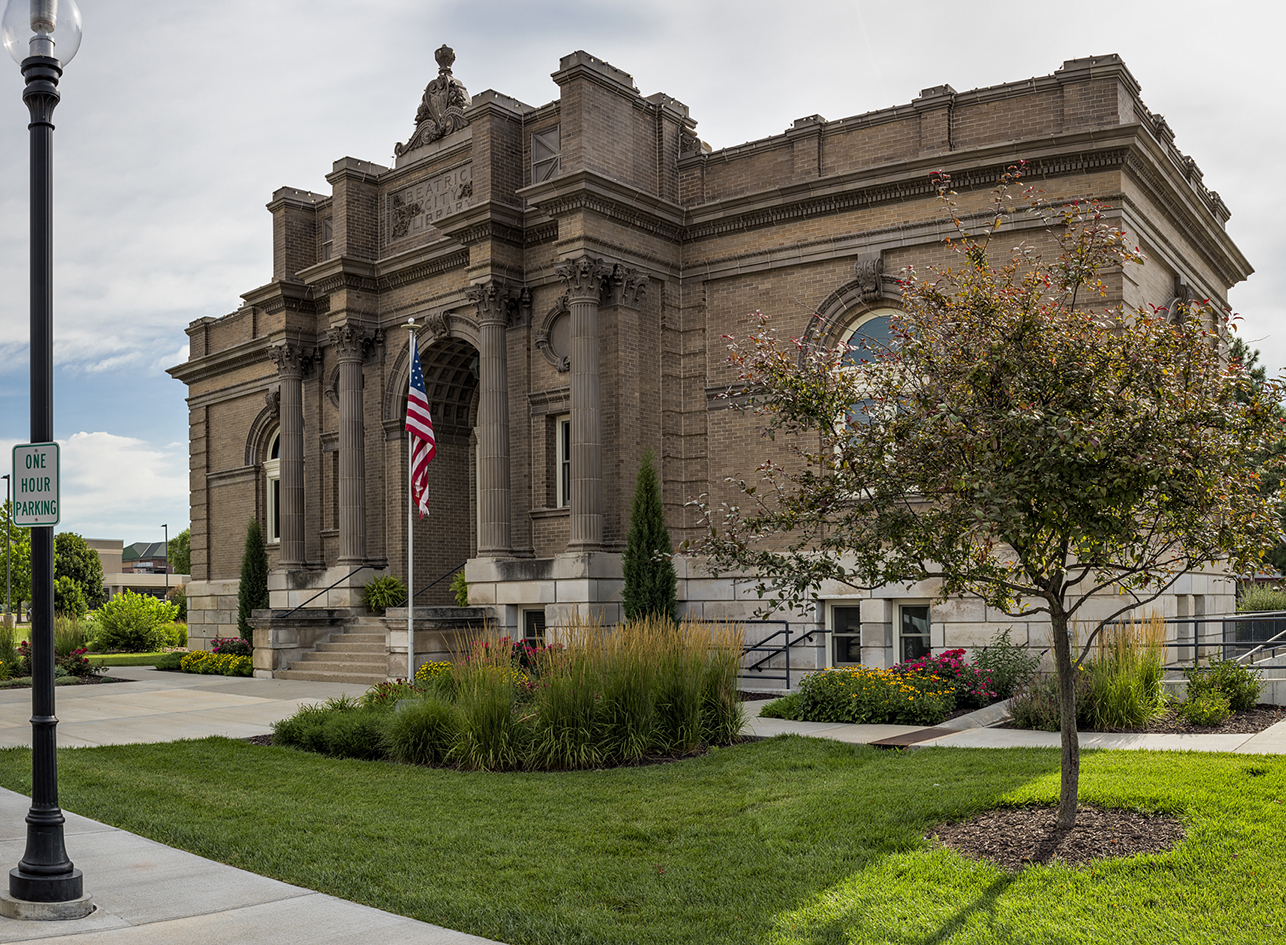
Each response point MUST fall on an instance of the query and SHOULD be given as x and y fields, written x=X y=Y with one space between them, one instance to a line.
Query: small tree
x=76 y=561
x=179 y=552
x=19 y=555
x=252 y=592
x=1013 y=444
x=650 y=582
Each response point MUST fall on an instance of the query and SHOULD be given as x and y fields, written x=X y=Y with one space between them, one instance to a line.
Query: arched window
x=866 y=336
x=272 y=483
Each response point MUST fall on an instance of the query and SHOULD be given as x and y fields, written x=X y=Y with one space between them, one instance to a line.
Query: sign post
x=35 y=485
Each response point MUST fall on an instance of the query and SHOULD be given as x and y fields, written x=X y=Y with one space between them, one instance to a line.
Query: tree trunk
x=1071 y=774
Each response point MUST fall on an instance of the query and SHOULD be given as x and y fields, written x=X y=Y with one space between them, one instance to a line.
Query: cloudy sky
x=179 y=120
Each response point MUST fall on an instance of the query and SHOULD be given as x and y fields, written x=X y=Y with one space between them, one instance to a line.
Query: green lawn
x=124 y=659
x=783 y=841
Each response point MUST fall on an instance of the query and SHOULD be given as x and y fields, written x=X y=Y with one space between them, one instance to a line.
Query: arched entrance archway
x=448 y=535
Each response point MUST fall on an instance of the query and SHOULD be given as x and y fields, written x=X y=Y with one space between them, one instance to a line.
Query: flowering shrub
x=874 y=696
x=973 y=686
x=216 y=664
x=431 y=671
x=390 y=693
x=231 y=646
x=73 y=664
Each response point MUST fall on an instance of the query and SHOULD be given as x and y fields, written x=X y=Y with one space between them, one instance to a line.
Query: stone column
x=494 y=301
x=585 y=277
x=292 y=361
x=350 y=343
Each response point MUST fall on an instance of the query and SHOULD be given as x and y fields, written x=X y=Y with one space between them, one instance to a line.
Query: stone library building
x=572 y=269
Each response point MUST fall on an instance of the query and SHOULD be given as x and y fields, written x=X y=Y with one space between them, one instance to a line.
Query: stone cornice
x=254 y=351
x=484 y=220
x=589 y=191
x=449 y=256
x=340 y=272
x=287 y=295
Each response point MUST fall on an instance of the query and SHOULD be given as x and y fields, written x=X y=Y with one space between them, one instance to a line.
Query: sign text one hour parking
x=35 y=485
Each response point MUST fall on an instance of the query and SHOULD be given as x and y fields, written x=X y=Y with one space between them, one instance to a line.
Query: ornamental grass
x=594 y=697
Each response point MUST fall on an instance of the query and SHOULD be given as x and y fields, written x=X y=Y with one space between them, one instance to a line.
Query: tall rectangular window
x=563 y=459
x=846 y=636
x=913 y=631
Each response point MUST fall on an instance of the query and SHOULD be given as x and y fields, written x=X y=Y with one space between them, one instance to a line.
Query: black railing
x=373 y=567
x=1241 y=637
x=778 y=643
x=438 y=580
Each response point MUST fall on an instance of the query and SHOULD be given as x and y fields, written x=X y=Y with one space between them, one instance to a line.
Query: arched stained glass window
x=867 y=336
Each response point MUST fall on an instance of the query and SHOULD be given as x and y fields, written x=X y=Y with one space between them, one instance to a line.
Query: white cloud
x=120 y=487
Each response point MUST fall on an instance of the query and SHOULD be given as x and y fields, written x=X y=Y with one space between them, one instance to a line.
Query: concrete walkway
x=973 y=732
x=149 y=894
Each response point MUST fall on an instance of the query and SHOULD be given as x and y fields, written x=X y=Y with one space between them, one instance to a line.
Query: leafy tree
x=19 y=556
x=252 y=592
x=650 y=582
x=179 y=552
x=69 y=599
x=1014 y=444
x=76 y=561
x=1272 y=455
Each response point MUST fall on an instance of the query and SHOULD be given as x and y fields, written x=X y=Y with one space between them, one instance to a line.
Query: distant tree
x=75 y=560
x=69 y=599
x=179 y=552
x=1014 y=444
x=650 y=583
x=1270 y=457
x=19 y=556
x=252 y=592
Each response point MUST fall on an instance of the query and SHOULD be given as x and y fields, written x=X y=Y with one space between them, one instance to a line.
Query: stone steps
x=360 y=679
x=357 y=655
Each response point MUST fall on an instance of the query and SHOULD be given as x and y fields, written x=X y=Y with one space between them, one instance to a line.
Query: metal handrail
x=772 y=651
x=373 y=567
x=430 y=584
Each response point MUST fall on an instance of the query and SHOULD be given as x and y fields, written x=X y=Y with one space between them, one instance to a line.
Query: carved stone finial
x=442 y=106
x=584 y=276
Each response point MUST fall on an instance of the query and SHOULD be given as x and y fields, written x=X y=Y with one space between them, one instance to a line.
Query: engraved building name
x=414 y=208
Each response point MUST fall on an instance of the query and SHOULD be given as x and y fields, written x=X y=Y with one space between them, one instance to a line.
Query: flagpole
x=410 y=524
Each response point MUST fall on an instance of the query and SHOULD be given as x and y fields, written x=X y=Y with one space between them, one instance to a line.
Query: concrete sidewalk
x=164 y=707
x=150 y=894
x=967 y=733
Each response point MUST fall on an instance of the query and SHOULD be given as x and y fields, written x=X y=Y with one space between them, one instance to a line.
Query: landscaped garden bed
x=640 y=692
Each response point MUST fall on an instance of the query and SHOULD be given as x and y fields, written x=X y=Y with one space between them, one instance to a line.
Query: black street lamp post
x=43 y=35
x=8 y=535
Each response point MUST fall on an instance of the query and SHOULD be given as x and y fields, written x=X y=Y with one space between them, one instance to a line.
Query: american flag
x=420 y=425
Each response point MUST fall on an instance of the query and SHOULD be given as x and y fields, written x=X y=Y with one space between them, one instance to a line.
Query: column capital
x=292 y=358
x=584 y=276
x=351 y=342
x=496 y=300
x=626 y=286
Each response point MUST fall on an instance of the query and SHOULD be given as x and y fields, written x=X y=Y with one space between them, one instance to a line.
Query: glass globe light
x=41 y=28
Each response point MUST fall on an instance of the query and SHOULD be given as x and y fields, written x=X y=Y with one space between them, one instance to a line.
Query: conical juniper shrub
x=651 y=586
x=252 y=590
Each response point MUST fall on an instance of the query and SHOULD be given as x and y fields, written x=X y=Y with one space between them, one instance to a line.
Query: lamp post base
x=45 y=898
x=37 y=888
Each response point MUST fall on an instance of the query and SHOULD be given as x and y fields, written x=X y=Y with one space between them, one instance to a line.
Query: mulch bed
x=80 y=681
x=1247 y=722
x=1017 y=837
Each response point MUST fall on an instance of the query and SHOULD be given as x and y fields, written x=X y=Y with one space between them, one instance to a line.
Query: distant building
x=144 y=557
x=141 y=580
x=573 y=268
